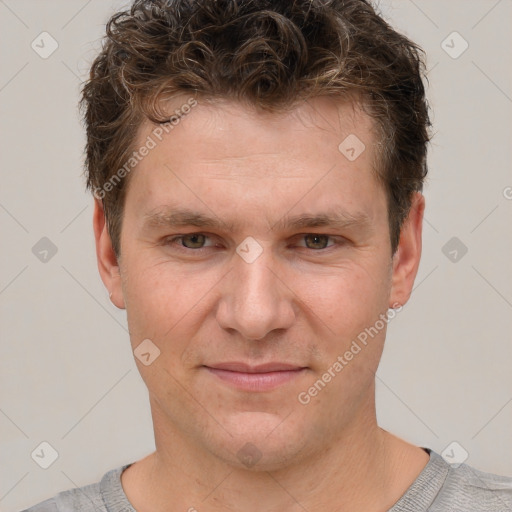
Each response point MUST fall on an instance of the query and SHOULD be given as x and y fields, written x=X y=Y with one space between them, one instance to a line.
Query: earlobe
x=107 y=261
x=406 y=259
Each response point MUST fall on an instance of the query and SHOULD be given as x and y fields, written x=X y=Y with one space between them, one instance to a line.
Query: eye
x=316 y=241
x=190 y=241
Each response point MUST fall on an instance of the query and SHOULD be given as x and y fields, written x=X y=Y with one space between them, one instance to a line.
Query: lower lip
x=256 y=381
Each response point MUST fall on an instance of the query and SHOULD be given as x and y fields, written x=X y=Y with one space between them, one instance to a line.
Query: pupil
x=196 y=241
x=317 y=241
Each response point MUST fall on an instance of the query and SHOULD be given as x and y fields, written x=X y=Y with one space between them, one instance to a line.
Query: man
x=257 y=168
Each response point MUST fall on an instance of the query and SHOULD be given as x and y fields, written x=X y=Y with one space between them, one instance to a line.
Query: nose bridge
x=254 y=301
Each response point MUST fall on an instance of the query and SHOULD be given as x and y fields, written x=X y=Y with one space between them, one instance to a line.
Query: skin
x=302 y=301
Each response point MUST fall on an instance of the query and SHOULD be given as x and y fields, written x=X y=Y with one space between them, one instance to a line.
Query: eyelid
x=302 y=237
x=173 y=239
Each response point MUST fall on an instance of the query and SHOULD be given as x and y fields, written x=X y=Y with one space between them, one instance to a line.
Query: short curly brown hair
x=271 y=54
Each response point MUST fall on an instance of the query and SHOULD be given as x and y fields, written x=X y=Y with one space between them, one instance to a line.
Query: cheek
x=160 y=297
x=165 y=307
x=347 y=299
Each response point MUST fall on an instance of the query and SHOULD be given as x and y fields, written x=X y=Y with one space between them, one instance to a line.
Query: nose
x=255 y=299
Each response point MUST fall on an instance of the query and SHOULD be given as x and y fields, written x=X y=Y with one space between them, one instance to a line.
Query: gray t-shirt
x=440 y=487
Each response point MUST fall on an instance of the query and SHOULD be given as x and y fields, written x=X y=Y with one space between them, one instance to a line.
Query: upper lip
x=261 y=368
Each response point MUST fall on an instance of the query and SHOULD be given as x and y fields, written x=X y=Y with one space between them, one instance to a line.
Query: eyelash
x=337 y=241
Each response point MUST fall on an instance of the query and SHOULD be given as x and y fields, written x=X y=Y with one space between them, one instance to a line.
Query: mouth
x=263 y=377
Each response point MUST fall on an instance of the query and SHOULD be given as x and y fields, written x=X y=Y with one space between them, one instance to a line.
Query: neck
x=363 y=469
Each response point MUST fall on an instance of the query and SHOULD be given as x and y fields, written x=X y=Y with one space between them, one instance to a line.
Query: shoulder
x=78 y=499
x=95 y=496
x=466 y=489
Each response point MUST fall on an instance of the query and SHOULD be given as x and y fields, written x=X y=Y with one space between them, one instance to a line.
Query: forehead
x=318 y=154
x=209 y=121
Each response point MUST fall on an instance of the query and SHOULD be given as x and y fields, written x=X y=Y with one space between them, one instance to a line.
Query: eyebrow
x=184 y=217
x=337 y=220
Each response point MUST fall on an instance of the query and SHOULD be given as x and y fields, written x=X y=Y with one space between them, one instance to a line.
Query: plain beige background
x=67 y=372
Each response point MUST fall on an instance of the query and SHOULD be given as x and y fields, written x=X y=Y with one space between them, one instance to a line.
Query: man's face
x=292 y=265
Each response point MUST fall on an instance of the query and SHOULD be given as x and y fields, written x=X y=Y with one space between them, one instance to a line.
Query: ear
x=107 y=261
x=406 y=259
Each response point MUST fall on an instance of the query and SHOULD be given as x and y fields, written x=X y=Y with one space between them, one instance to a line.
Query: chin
x=259 y=441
